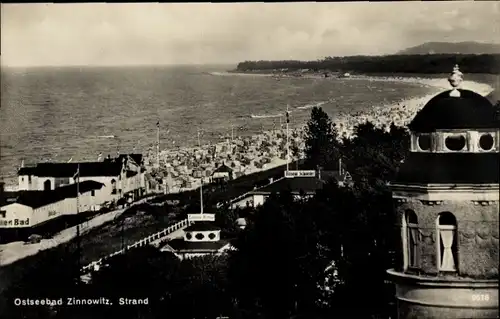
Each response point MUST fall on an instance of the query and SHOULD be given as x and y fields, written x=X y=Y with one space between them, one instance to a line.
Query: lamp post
x=122 y=239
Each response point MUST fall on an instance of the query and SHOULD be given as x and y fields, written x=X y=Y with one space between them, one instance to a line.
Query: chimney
x=340 y=166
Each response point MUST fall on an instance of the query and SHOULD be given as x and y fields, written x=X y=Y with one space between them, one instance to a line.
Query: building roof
x=179 y=245
x=87 y=169
x=294 y=185
x=223 y=169
x=469 y=111
x=336 y=175
x=493 y=97
x=36 y=199
x=137 y=158
x=27 y=170
x=202 y=226
x=241 y=221
x=131 y=174
x=449 y=168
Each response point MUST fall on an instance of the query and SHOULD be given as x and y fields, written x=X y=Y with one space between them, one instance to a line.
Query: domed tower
x=446 y=197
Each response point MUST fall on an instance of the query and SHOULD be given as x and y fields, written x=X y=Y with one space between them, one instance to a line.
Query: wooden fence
x=143 y=242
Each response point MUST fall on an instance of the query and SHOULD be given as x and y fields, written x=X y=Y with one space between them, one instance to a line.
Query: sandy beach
x=185 y=168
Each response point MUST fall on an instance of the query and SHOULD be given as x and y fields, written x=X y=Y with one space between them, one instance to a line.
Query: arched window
x=46 y=185
x=412 y=239
x=447 y=242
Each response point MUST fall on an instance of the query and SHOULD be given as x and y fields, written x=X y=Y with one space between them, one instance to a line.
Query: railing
x=143 y=242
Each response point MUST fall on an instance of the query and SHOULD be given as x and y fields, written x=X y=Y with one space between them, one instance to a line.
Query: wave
x=265 y=116
x=311 y=105
x=106 y=136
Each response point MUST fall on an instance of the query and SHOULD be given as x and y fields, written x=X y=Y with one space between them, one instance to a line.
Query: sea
x=63 y=113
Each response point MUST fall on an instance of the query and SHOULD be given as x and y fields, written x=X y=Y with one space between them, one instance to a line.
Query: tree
x=280 y=258
x=374 y=155
x=430 y=63
x=294 y=148
x=52 y=274
x=321 y=146
x=202 y=289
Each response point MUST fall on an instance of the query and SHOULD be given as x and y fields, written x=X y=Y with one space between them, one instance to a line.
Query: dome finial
x=455 y=80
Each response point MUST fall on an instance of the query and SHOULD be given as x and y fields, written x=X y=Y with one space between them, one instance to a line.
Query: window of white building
x=424 y=142
x=486 y=142
x=447 y=242
x=411 y=239
x=455 y=142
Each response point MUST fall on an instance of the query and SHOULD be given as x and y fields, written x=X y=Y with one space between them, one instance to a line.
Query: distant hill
x=470 y=47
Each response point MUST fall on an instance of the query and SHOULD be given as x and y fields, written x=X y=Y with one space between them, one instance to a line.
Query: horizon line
x=112 y=65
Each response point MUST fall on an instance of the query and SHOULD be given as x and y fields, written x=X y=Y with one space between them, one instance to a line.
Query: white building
x=302 y=184
x=222 y=173
x=33 y=209
x=200 y=239
x=121 y=176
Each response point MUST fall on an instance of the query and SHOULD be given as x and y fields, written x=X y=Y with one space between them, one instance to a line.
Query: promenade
x=14 y=251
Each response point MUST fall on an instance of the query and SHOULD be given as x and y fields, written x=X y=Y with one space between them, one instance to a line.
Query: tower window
x=211 y=236
x=411 y=233
x=189 y=236
x=455 y=142
x=447 y=242
x=486 y=142
x=424 y=142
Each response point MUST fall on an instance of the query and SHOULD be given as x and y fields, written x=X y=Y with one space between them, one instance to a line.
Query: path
x=15 y=251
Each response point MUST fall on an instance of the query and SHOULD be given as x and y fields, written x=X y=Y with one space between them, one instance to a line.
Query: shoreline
x=401 y=112
x=187 y=167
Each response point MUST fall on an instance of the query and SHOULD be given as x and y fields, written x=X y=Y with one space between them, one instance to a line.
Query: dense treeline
x=425 y=64
x=323 y=257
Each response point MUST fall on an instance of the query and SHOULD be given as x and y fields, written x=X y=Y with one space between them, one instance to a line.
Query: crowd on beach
x=186 y=168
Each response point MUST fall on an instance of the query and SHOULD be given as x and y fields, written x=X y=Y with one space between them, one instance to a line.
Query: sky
x=190 y=33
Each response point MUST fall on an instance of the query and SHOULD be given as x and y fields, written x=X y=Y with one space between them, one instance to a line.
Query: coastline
x=399 y=113
x=185 y=168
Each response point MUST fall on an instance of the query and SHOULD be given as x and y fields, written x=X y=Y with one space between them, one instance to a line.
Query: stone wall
x=478 y=235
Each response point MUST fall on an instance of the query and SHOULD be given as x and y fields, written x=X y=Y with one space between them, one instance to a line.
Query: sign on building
x=201 y=217
x=310 y=173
